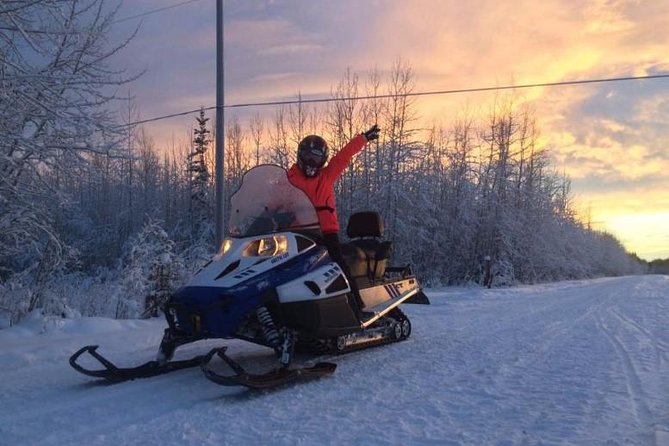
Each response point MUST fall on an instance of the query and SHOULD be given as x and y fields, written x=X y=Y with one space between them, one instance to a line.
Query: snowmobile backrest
x=366 y=254
x=367 y=258
x=374 y=249
x=365 y=224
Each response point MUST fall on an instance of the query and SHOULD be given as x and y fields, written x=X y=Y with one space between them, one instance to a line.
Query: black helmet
x=312 y=153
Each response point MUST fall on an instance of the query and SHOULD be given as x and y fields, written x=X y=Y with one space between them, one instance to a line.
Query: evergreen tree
x=199 y=178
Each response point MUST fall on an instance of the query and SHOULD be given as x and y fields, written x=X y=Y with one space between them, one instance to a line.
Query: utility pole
x=220 y=196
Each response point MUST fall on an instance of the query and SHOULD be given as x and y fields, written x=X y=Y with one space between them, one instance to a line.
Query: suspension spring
x=269 y=330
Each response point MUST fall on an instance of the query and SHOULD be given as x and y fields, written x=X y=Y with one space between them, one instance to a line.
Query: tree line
x=95 y=216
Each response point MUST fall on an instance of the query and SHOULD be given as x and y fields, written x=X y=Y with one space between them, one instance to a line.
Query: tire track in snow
x=548 y=330
x=661 y=346
x=554 y=334
x=633 y=382
x=512 y=344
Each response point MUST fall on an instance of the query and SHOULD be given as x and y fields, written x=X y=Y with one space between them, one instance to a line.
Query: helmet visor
x=313 y=158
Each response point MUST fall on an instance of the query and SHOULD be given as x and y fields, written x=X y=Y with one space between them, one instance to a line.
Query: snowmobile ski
x=112 y=373
x=274 y=378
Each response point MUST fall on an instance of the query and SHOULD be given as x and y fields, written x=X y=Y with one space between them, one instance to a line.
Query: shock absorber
x=269 y=330
x=286 y=350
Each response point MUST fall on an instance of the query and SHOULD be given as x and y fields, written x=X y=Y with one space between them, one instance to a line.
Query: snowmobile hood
x=243 y=259
x=232 y=284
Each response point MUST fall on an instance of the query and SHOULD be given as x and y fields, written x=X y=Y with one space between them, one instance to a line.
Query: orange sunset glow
x=610 y=138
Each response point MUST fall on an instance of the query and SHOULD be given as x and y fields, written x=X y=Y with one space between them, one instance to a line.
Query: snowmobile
x=271 y=283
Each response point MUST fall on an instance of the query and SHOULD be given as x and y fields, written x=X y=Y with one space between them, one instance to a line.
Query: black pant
x=331 y=242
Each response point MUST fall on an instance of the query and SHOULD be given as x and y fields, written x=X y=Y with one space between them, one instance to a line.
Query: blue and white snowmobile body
x=297 y=274
x=273 y=284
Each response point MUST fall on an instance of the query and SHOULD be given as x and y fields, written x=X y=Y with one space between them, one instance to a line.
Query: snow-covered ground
x=573 y=363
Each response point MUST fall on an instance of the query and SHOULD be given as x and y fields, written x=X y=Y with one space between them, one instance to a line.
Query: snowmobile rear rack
x=274 y=378
x=112 y=373
x=387 y=307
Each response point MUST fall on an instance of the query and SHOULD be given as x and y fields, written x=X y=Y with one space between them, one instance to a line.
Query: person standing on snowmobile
x=316 y=180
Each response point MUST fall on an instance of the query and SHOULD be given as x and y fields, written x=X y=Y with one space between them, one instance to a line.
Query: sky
x=609 y=138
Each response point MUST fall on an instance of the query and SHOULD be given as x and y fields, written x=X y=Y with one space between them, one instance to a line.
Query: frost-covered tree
x=279 y=151
x=151 y=273
x=53 y=107
x=657 y=266
x=238 y=159
x=57 y=93
x=399 y=149
x=257 y=128
x=343 y=122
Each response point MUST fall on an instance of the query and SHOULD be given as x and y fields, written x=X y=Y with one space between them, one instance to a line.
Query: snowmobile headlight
x=267 y=247
x=225 y=247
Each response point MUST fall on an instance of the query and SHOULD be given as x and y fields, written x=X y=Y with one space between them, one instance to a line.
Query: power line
x=173 y=115
x=153 y=11
x=420 y=93
x=441 y=92
x=124 y=19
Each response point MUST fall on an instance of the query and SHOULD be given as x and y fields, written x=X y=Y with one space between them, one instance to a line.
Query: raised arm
x=341 y=160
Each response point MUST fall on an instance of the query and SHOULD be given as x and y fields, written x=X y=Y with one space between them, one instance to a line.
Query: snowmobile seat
x=366 y=254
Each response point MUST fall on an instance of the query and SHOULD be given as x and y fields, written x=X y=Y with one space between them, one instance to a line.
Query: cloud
x=258 y=34
x=293 y=48
x=608 y=137
x=272 y=77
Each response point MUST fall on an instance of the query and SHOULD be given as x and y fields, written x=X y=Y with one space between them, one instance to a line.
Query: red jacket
x=320 y=188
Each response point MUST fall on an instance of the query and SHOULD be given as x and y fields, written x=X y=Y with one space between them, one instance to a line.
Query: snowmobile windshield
x=267 y=203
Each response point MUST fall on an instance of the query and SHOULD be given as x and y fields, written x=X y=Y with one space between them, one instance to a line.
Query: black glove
x=372 y=133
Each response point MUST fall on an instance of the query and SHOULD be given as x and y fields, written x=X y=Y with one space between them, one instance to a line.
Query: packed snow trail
x=572 y=363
